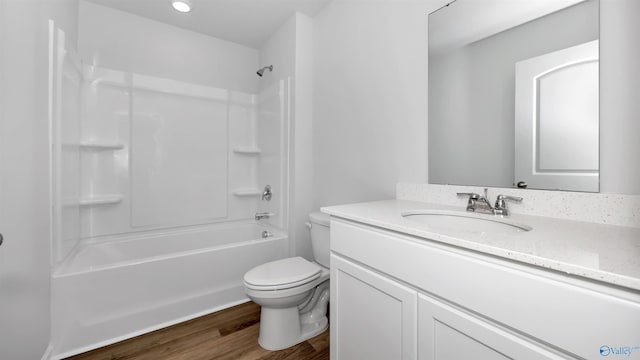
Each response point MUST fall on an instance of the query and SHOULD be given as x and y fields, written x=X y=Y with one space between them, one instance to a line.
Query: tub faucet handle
x=266 y=193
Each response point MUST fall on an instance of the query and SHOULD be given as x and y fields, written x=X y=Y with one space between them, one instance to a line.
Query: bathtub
x=120 y=287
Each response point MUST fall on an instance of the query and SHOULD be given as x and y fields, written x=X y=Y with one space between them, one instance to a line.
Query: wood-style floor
x=227 y=334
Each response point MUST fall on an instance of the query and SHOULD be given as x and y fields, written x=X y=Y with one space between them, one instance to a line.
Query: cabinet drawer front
x=547 y=306
x=448 y=333
x=372 y=317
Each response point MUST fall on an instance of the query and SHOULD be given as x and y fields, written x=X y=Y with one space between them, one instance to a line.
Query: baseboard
x=47 y=353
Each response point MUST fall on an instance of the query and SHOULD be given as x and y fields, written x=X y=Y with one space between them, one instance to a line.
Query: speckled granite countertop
x=606 y=253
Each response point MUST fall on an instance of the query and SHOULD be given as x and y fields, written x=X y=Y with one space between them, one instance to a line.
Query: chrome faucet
x=264 y=215
x=471 y=204
x=501 y=204
x=500 y=207
x=484 y=198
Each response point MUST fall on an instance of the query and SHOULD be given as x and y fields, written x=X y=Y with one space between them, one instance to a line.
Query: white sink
x=459 y=221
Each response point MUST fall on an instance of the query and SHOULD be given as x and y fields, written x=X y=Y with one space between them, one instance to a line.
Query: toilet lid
x=320 y=218
x=280 y=273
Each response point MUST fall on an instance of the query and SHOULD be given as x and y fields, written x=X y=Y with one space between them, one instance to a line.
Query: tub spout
x=264 y=215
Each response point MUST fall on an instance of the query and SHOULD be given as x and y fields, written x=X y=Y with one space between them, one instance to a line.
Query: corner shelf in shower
x=100 y=146
x=247 y=192
x=247 y=150
x=97 y=200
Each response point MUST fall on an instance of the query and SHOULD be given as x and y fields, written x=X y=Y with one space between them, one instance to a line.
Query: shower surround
x=157 y=175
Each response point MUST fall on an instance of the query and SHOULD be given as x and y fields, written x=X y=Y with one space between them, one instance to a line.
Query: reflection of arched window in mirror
x=557 y=119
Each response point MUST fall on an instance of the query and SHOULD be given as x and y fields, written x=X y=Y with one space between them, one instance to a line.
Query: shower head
x=261 y=71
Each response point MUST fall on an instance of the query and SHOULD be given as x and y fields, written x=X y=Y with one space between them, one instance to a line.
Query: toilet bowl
x=293 y=292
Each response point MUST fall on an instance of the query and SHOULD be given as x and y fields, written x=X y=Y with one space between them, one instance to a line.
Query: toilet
x=293 y=292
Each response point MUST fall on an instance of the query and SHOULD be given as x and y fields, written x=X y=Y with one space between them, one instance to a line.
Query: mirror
x=513 y=94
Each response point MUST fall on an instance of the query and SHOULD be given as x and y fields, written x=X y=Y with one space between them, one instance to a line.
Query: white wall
x=24 y=172
x=619 y=96
x=302 y=180
x=122 y=41
x=369 y=98
x=289 y=50
x=279 y=50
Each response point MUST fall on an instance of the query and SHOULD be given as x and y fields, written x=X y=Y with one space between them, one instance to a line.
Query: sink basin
x=458 y=221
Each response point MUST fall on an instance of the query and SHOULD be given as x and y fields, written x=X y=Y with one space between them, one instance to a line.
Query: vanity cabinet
x=396 y=296
x=450 y=333
x=378 y=316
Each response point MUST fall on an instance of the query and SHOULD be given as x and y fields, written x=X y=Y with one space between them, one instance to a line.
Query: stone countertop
x=605 y=253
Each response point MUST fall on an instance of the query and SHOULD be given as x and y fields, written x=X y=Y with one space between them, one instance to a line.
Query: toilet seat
x=282 y=274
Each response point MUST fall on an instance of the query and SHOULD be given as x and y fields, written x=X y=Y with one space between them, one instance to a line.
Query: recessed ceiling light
x=182 y=6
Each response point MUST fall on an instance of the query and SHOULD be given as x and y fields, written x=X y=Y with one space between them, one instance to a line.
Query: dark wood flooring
x=227 y=334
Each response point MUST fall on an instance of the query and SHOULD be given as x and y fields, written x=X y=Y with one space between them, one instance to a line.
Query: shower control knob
x=266 y=193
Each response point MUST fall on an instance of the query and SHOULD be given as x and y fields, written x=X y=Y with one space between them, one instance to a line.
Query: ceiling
x=246 y=22
x=466 y=21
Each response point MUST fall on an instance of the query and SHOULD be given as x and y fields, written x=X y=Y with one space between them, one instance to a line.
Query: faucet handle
x=471 y=203
x=507 y=197
x=471 y=195
x=501 y=205
x=266 y=193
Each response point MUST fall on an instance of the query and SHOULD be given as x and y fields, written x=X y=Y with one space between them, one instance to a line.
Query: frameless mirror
x=513 y=94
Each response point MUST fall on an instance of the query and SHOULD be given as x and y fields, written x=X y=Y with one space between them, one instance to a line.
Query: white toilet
x=293 y=292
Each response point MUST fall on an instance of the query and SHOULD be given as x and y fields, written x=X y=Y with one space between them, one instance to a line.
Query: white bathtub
x=119 y=288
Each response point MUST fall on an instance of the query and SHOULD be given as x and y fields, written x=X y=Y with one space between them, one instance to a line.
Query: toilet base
x=281 y=328
x=273 y=340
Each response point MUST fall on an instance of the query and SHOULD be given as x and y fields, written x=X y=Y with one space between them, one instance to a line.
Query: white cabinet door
x=446 y=333
x=372 y=317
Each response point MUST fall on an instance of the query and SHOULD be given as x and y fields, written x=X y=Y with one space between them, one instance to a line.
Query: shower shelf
x=245 y=192
x=246 y=150
x=100 y=200
x=100 y=146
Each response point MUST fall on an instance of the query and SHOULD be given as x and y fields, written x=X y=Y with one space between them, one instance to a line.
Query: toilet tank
x=320 y=237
